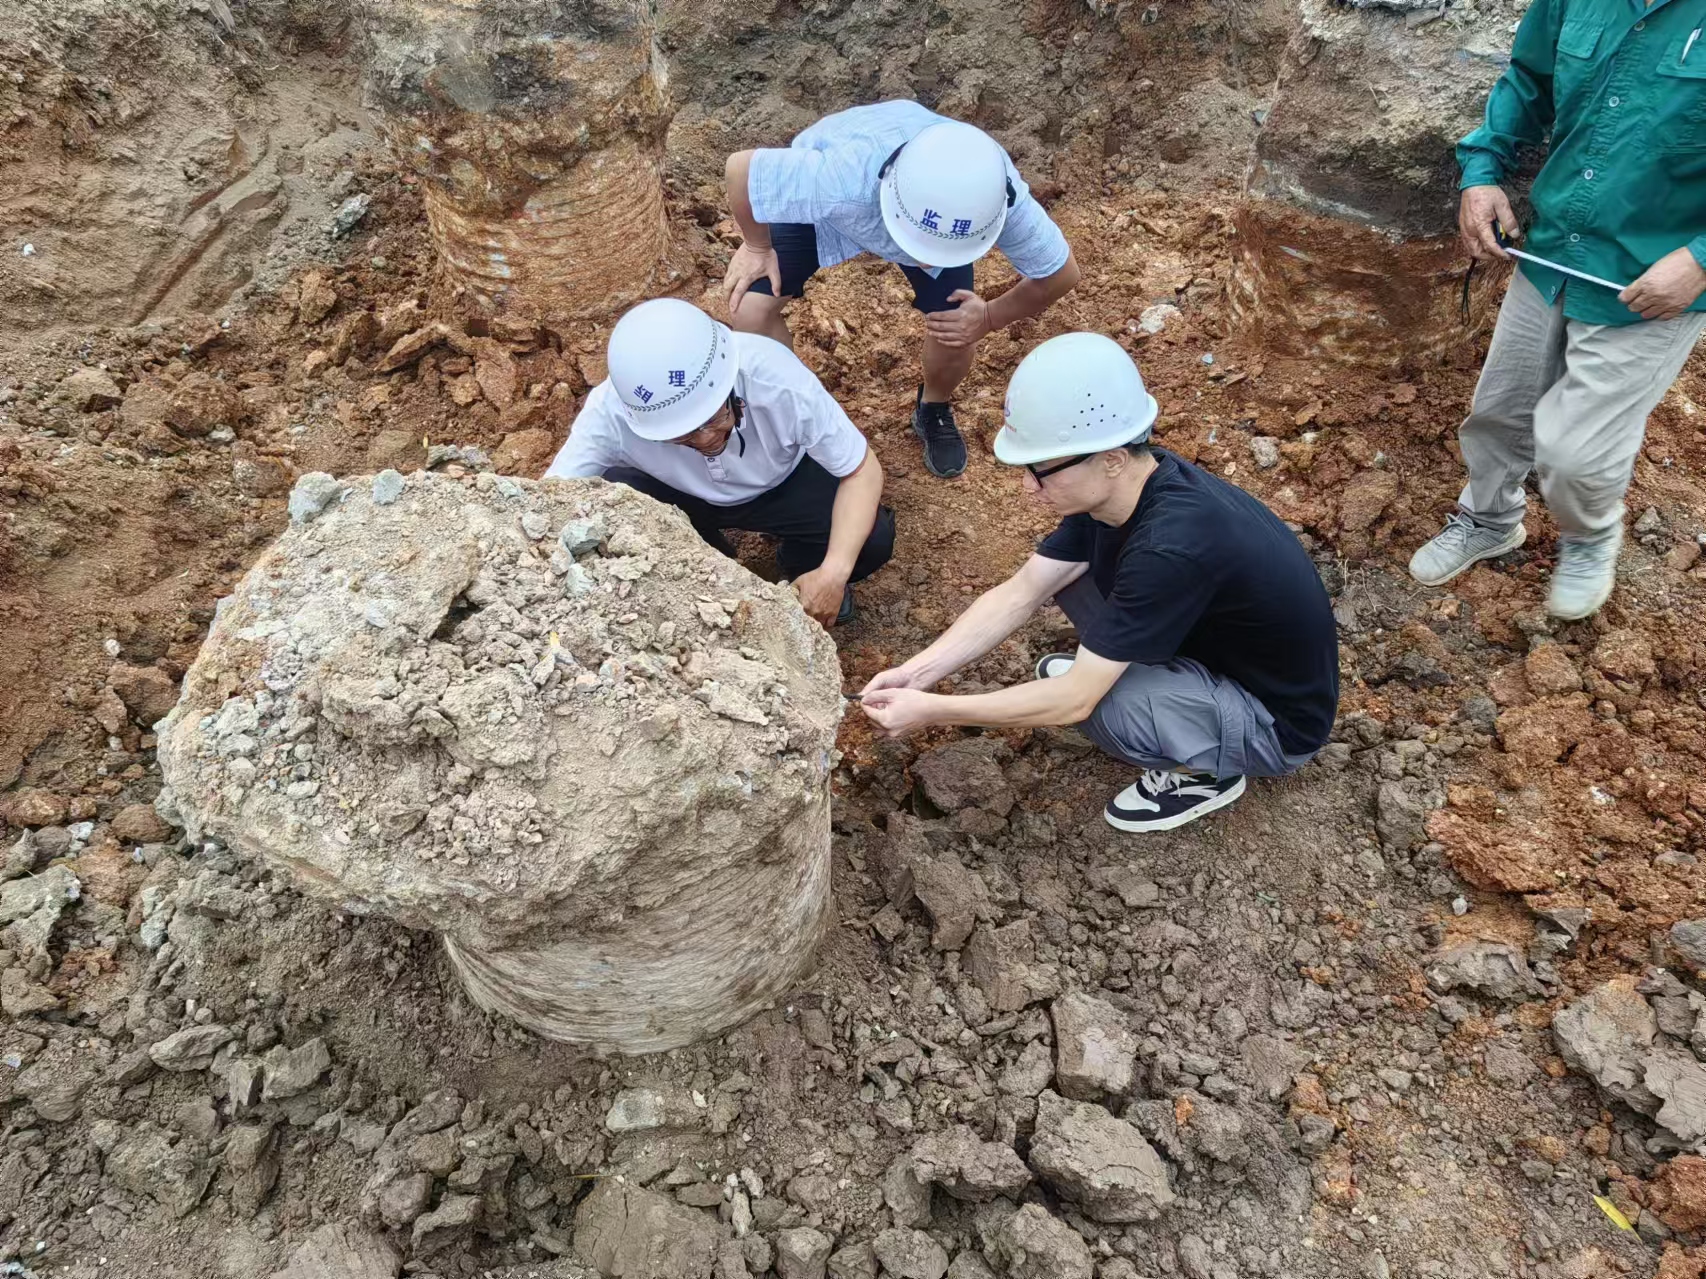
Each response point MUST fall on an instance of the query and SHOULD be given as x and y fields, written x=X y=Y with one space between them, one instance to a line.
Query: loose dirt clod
x=597 y=763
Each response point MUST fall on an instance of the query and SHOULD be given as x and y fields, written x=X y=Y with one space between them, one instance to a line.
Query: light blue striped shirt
x=828 y=177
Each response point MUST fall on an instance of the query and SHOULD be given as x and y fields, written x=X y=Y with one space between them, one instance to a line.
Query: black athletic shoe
x=847 y=612
x=944 y=449
x=1161 y=800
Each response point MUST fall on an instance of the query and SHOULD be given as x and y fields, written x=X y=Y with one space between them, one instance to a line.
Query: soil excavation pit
x=542 y=719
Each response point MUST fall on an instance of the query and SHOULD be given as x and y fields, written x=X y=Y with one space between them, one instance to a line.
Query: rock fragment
x=1678 y=1193
x=191 y=1048
x=952 y=894
x=449 y=1223
x=1100 y=1161
x=1494 y=969
x=1606 y=1035
x=856 y=1261
x=90 y=390
x=636 y=1110
x=1095 y=1051
x=1036 y=1245
x=1689 y=938
x=342 y=1251
x=404 y=1198
x=147 y=1163
x=290 y=1071
x=317 y=298
x=628 y=1232
x=55 y=1083
x=387 y=487
x=1028 y=1073
x=906 y=1193
x=1624 y=654
x=967 y=1167
x=910 y=1254
x=964 y=773
x=252 y=1160
x=1678 y=1079
x=147 y=691
x=1002 y=962
x=802 y=1253
x=31 y=907
x=313 y=493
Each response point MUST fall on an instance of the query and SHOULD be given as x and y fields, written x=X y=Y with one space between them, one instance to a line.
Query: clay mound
x=544 y=719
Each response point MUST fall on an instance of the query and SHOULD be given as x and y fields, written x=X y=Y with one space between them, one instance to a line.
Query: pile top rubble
x=473 y=703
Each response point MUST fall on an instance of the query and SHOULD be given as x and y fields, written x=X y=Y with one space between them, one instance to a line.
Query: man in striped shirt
x=929 y=194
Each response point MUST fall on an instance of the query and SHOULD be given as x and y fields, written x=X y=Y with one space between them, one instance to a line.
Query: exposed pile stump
x=536 y=129
x=542 y=719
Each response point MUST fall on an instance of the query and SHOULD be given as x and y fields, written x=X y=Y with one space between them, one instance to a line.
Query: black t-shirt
x=1203 y=570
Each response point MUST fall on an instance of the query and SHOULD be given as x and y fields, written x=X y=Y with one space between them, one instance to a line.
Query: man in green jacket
x=1575 y=368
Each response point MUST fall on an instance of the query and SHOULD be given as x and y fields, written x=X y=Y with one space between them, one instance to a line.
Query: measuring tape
x=1505 y=244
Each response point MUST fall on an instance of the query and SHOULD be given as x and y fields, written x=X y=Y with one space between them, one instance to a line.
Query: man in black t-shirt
x=1208 y=650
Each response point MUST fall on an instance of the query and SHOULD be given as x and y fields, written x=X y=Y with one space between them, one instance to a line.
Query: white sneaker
x=1586 y=573
x=1461 y=543
x=1162 y=799
x=1054 y=665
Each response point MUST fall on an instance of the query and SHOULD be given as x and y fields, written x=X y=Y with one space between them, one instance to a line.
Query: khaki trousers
x=1569 y=401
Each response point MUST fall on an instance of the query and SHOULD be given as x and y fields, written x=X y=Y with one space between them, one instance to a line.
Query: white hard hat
x=672 y=365
x=945 y=194
x=1076 y=393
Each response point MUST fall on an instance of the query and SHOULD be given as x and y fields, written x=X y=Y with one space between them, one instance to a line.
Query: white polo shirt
x=788 y=414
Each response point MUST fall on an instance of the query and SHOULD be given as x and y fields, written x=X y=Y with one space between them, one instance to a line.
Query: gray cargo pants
x=1570 y=401
x=1178 y=714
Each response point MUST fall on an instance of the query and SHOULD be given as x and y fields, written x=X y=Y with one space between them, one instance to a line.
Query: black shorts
x=796 y=252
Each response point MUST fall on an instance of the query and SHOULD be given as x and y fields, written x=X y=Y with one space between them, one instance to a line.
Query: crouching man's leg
x=708 y=521
x=1197 y=735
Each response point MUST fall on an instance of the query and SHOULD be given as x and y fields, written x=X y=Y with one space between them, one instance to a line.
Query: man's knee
x=756 y=312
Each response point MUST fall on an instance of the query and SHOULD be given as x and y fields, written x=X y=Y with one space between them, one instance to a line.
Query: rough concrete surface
x=544 y=720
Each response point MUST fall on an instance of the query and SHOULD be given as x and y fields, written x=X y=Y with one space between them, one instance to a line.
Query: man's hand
x=962 y=327
x=897 y=711
x=820 y=594
x=894 y=677
x=1667 y=288
x=1477 y=210
x=746 y=268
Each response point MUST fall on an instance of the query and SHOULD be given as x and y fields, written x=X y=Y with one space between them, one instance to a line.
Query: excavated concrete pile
x=542 y=719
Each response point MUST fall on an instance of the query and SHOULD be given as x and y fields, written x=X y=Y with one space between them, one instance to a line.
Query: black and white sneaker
x=1161 y=800
x=1054 y=665
x=944 y=448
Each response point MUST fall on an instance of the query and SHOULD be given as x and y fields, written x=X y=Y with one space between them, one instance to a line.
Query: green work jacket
x=1621 y=88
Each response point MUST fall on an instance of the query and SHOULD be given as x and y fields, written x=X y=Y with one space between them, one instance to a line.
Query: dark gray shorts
x=1179 y=714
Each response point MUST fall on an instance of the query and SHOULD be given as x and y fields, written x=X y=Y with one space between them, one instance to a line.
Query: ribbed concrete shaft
x=537 y=130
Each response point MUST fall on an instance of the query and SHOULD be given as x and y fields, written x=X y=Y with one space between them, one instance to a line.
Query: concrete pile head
x=543 y=719
x=537 y=131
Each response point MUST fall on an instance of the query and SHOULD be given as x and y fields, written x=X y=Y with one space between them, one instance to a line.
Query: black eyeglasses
x=1040 y=476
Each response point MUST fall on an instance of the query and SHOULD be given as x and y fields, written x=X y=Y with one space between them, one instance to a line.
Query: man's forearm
x=1033 y=704
x=854 y=515
x=992 y=617
x=756 y=234
x=1032 y=297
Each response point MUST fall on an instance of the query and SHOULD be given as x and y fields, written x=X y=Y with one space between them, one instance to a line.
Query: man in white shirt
x=929 y=194
x=737 y=433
